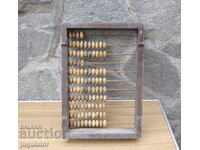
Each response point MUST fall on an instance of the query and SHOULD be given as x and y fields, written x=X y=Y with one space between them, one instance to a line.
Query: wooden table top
x=40 y=128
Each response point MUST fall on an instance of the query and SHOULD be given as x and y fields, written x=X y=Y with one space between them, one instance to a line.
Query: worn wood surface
x=155 y=132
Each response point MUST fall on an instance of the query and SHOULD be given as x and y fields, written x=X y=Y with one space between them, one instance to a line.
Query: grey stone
x=173 y=50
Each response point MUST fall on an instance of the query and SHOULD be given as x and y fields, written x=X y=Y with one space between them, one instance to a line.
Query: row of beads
x=93 y=89
x=76 y=62
x=88 y=97
x=87 y=44
x=76 y=35
x=88 y=115
x=87 y=106
x=93 y=71
x=89 y=54
x=82 y=80
x=87 y=123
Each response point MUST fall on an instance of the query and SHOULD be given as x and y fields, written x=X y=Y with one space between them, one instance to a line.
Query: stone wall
x=40 y=52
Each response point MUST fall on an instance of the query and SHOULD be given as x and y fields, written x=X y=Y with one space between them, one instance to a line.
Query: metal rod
x=110 y=63
x=120 y=54
x=121 y=98
x=121 y=89
x=120 y=81
x=111 y=34
x=134 y=44
x=109 y=71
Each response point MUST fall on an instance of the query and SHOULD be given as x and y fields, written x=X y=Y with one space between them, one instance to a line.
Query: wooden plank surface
x=47 y=116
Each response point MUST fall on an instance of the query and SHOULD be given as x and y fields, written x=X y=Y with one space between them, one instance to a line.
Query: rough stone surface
x=39 y=46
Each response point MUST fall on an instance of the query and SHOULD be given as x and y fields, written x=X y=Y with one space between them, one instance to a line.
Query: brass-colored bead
x=70 y=80
x=85 y=44
x=96 y=80
x=89 y=123
x=90 y=97
x=89 y=89
x=78 y=115
x=82 y=80
x=104 y=89
x=81 y=71
x=77 y=80
x=70 y=44
x=82 y=123
x=85 y=53
x=100 y=71
x=93 y=97
x=86 y=123
x=70 y=62
x=100 y=115
x=74 y=53
x=104 y=44
x=81 y=35
x=77 y=72
x=93 y=80
x=97 y=89
x=81 y=53
x=104 y=123
x=89 y=80
x=100 y=54
x=82 y=115
x=93 y=89
x=85 y=106
x=96 y=45
x=70 y=89
x=85 y=71
x=78 y=123
x=97 y=123
x=77 y=35
x=97 y=97
x=93 y=54
x=105 y=97
x=74 y=89
x=93 y=115
x=93 y=71
x=74 y=80
x=89 y=71
x=101 y=97
x=100 y=123
x=93 y=44
x=89 y=114
x=100 y=89
x=85 y=80
x=92 y=106
x=96 y=106
x=93 y=123
x=73 y=35
x=97 y=54
x=77 y=53
x=81 y=44
x=89 y=54
x=82 y=63
x=100 y=44
x=89 y=44
x=77 y=89
x=104 y=81
x=104 y=54
x=89 y=105
x=70 y=35
x=70 y=53
x=74 y=44
x=96 y=114
x=100 y=106
x=77 y=44
x=100 y=80
x=70 y=71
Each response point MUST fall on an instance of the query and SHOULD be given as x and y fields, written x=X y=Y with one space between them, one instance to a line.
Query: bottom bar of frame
x=104 y=133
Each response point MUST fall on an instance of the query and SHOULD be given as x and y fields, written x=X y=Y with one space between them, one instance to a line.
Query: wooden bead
x=96 y=114
x=75 y=62
x=96 y=45
x=85 y=81
x=82 y=63
x=104 y=44
x=74 y=53
x=70 y=44
x=89 y=54
x=93 y=80
x=93 y=97
x=101 y=97
x=85 y=53
x=100 y=115
x=89 y=105
x=70 y=35
x=82 y=80
x=77 y=44
x=77 y=35
x=100 y=89
x=89 y=71
x=82 y=123
x=78 y=123
x=100 y=123
x=93 y=115
x=97 y=89
x=89 y=89
x=100 y=54
x=90 y=97
x=70 y=53
x=81 y=35
x=92 y=106
x=93 y=89
x=89 y=44
x=93 y=71
x=93 y=123
x=100 y=106
x=97 y=123
x=100 y=71
x=78 y=115
x=104 y=123
x=70 y=62
x=104 y=89
x=85 y=71
x=85 y=44
x=89 y=114
x=81 y=54
x=77 y=89
x=104 y=54
x=77 y=72
x=104 y=81
x=89 y=80
x=96 y=80
x=82 y=115
x=93 y=54
x=77 y=53
x=105 y=97
x=78 y=81
x=100 y=44
x=100 y=80
x=81 y=71
x=73 y=35
x=81 y=44
x=93 y=44
x=89 y=123
x=74 y=44
x=86 y=123
x=70 y=71
x=97 y=54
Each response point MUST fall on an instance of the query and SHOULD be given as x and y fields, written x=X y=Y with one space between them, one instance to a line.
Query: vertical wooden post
x=139 y=87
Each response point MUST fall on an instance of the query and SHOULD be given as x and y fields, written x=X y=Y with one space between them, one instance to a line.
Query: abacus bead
x=75 y=62
x=89 y=114
x=89 y=54
x=101 y=97
x=92 y=106
x=93 y=89
x=100 y=81
x=89 y=80
x=77 y=53
x=93 y=44
x=104 y=114
x=97 y=89
x=93 y=123
x=97 y=123
x=93 y=71
x=97 y=97
x=96 y=106
x=100 y=106
x=78 y=80
x=77 y=88
x=74 y=44
x=81 y=89
x=93 y=115
x=70 y=71
x=77 y=35
x=100 y=44
x=104 y=44
x=78 y=106
x=74 y=53
x=81 y=35
x=85 y=44
x=70 y=44
x=89 y=44
x=70 y=35
x=82 y=115
x=82 y=123
x=86 y=123
x=93 y=54
x=93 y=97
x=78 y=116
x=100 y=123
x=70 y=62
x=100 y=115
x=100 y=71
x=89 y=89
x=81 y=44
x=96 y=45
x=81 y=71
x=104 y=123
x=82 y=63
x=81 y=53
x=85 y=80
x=103 y=105
x=97 y=54
x=104 y=80
x=77 y=44
x=89 y=123
x=70 y=53
x=89 y=71
x=100 y=89
x=82 y=80
x=77 y=72
x=78 y=123
x=96 y=80
x=100 y=54
x=73 y=35
x=96 y=114
x=105 y=97
x=86 y=97
x=93 y=80
x=85 y=54
x=85 y=71
x=104 y=54
x=90 y=97
x=85 y=106
x=89 y=106
x=104 y=89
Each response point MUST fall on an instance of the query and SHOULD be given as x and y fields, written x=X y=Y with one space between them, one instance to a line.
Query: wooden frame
x=102 y=133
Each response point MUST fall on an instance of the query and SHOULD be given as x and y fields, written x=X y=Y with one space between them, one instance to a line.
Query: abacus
x=90 y=91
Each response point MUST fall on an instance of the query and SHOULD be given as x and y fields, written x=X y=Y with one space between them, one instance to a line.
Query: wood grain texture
x=155 y=132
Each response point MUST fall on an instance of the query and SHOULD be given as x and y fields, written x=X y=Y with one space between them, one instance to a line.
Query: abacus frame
x=102 y=133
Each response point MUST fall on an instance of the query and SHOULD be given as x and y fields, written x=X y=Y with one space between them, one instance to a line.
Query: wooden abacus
x=84 y=88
